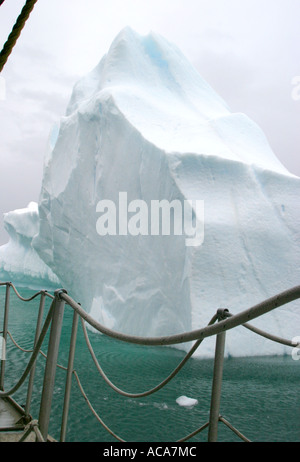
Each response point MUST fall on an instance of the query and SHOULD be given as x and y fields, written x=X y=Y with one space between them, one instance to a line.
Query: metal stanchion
x=37 y=333
x=4 y=336
x=69 y=377
x=217 y=382
x=51 y=363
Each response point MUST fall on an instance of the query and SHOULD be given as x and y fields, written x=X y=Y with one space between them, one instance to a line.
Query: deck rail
x=221 y=322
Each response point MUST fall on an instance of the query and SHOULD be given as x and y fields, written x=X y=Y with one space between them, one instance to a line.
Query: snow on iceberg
x=19 y=262
x=145 y=123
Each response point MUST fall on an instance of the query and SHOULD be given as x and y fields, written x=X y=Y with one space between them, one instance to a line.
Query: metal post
x=4 y=336
x=37 y=333
x=69 y=377
x=51 y=364
x=217 y=383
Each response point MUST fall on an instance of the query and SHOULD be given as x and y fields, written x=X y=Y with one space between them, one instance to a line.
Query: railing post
x=217 y=382
x=37 y=333
x=4 y=336
x=51 y=363
x=69 y=377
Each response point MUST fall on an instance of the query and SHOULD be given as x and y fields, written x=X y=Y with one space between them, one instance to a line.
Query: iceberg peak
x=163 y=96
x=151 y=66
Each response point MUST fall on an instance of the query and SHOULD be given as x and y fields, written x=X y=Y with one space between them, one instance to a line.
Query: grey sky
x=247 y=50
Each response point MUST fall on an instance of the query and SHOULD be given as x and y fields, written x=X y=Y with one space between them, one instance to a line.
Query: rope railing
x=31 y=350
x=29 y=426
x=94 y=411
x=226 y=321
x=10 y=284
x=33 y=357
x=152 y=390
x=16 y=31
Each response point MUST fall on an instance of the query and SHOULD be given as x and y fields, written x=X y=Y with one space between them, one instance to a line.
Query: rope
x=232 y=428
x=16 y=344
x=33 y=296
x=229 y=323
x=152 y=390
x=93 y=410
x=16 y=31
x=226 y=321
x=193 y=433
x=31 y=351
x=3 y=394
x=33 y=425
x=45 y=292
x=26 y=299
x=187 y=437
x=272 y=337
x=115 y=388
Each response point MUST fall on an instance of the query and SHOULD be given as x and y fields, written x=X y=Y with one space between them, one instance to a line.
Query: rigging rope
x=16 y=31
x=157 y=387
x=36 y=350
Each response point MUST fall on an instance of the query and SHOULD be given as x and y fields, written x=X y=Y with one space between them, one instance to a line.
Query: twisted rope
x=224 y=320
x=31 y=350
x=36 y=351
x=152 y=390
x=228 y=323
x=16 y=31
x=10 y=284
x=185 y=438
x=93 y=410
x=32 y=426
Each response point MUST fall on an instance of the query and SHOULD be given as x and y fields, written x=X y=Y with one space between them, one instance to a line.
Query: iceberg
x=143 y=123
x=19 y=262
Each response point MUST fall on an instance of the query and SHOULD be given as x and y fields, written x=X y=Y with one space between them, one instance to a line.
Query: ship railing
x=220 y=323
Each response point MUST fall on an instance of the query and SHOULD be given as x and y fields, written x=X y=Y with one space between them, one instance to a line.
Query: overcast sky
x=247 y=50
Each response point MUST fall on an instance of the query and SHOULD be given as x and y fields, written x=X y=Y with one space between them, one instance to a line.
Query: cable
x=16 y=31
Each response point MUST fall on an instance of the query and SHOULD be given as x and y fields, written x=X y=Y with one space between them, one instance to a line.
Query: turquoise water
x=260 y=396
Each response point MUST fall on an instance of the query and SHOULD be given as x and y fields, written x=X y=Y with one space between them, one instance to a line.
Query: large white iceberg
x=145 y=123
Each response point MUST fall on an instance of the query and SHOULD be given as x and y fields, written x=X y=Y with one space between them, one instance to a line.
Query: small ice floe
x=186 y=402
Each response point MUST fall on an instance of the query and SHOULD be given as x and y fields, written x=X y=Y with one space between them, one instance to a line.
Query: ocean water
x=260 y=396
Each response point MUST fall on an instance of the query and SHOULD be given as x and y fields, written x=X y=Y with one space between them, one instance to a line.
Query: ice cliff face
x=144 y=122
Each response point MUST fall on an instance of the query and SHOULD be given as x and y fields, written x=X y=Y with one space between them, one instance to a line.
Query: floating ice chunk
x=186 y=402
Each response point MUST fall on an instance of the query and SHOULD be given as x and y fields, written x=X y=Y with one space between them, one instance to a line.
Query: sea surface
x=260 y=395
